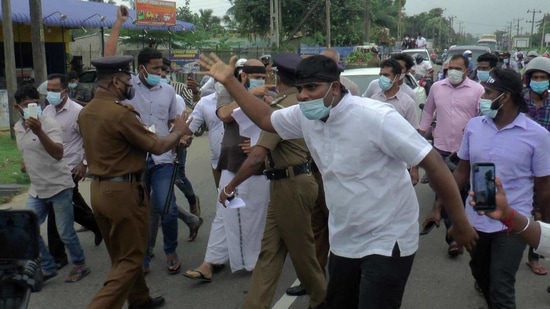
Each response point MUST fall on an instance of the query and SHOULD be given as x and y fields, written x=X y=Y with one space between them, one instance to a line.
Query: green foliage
x=358 y=57
x=10 y=162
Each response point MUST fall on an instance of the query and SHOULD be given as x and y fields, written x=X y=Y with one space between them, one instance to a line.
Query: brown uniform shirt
x=115 y=139
x=285 y=153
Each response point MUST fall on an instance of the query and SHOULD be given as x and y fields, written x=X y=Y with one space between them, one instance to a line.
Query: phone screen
x=18 y=235
x=484 y=186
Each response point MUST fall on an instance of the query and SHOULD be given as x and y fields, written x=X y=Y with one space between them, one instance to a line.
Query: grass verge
x=10 y=164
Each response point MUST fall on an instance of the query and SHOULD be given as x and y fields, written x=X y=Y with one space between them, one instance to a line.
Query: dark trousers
x=494 y=262
x=183 y=183
x=319 y=224
x=83 y=215
x=373 y=282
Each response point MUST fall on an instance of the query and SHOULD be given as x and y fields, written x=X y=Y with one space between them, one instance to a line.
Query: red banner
x=155 y=12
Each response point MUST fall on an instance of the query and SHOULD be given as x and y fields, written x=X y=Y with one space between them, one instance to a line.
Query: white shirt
x=423 y=68
x=362 y=151
x=544 y=242
x=205 y=111
x=374 y=87
x=403 y=104
x=421 y=42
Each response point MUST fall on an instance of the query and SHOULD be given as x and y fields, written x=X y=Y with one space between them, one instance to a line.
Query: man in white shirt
x=361 y=147
x=420 y=41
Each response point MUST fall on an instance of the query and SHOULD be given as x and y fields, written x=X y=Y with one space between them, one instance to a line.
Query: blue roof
x=82 y=14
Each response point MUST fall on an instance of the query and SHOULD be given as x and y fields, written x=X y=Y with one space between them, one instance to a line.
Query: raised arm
x=254 y=108
x=112 y=41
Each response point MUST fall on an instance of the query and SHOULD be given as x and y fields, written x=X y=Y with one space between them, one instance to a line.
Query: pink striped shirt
x=454 y=108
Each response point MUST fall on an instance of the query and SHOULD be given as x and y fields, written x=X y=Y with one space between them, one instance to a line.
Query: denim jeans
x=182 y=182
x=62 y=205
x=157 y=180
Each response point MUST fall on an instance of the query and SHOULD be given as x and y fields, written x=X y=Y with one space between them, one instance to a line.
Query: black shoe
x=150 y=303
x=98 y=239
x=61 y=263
x=296 y=291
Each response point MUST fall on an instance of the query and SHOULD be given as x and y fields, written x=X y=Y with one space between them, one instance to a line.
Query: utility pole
x=366 y=20
x=272 y=31
x=9 y=62
x=542 y=35
x=517 y=25
x=399 y=20
x=277 y=40
x=327 y=4
x=534 y=11
x=37 y=40
x=451 y=19
x=510 y=32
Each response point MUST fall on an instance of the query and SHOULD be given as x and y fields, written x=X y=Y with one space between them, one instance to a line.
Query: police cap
x=113 y=64
x=286 y=64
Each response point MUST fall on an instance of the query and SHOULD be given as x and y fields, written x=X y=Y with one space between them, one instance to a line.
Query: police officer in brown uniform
x=116 y=143
x=269 y=72
x=293 y=192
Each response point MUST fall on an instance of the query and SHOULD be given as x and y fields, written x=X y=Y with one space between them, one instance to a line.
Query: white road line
x=286 y=301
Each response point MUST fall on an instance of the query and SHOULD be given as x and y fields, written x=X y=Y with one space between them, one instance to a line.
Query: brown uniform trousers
x=116 y=143
x=288 y=224
x=319 y=224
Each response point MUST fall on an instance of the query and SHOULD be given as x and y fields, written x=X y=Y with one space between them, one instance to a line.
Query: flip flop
x=201 y=277
x=77 y=274
x=537 y=269
x=174 y=265
x=193 y=232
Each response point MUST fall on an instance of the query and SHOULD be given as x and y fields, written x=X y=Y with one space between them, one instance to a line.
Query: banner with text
x=155 y=12
x=185 y=60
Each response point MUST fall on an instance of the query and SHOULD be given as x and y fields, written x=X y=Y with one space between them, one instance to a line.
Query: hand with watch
x=79 y=171
x=225 y=195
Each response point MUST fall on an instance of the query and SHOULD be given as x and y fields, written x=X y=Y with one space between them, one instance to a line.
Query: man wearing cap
x=537 y=76
x=361 y=147
x=156 y=103
x=116 y=141
x=518 y=147
x=455 y=100
x=236 y=234
x=293 y=191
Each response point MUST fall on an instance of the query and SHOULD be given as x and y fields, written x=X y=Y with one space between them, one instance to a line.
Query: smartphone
x=483 y=185
x=18 y=235
x=428 y=228
x=33 y=110
x=191 y=75
x=124 y=11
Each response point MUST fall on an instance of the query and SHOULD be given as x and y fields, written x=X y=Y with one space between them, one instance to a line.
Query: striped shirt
x=542 y=114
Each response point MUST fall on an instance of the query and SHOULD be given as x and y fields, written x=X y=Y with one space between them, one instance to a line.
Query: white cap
x=240 y=62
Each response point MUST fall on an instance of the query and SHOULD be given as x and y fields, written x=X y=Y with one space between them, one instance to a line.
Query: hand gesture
x=186 y=140
x=119 y=16
x=181 y=123
x=192 y=84
x=79 y=172
x=261 y=91
x=217 y=68
x=246 y=146
x=34 y=124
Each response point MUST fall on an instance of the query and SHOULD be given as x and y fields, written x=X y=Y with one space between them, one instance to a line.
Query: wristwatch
x=85 y=162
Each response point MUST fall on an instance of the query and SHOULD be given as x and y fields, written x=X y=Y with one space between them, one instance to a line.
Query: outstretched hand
x=219 y=70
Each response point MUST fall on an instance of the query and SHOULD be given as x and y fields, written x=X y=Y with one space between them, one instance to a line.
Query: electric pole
x=9 y=62
x=534 y=11
x=399 y=20
x=451 y=19
x=37 y=40
x=542 y=35
x=271 y=28
x=277 y=30
x=517 y=26
x=327 y=4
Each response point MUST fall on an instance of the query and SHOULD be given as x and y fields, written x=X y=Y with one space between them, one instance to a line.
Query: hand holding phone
x=123 y=11
x=483 y=185
x=428 y=228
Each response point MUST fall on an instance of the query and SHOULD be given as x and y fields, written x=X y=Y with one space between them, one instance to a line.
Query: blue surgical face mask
x=485 y=107
x=316 y=109
x=26 y=112
x=482 y=76
x=164 y=81
x=73 y=85
x=539 y=86
x=54 y=98
x=506 y=61
x=151 y=79
x=256 y=82
x=385 y=83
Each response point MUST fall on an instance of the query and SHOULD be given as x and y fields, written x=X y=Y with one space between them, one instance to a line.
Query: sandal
x=77 y=274
x=201 y=277
x=193 y=232
x=537 y=268
x=174 y=265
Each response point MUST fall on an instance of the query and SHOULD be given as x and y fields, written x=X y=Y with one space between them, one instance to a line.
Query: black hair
x=321 y=68
x=393 y=64
x=26 y=92
x=72 y=75
x=147 y=54
x=512 y=81
x=166 y=62
x=409 y=61
x=488 y=57
x=465 y=59
x=63 y=79
x=506 y=54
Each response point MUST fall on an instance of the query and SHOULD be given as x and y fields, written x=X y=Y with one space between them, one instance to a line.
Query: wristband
x=525 y=228
x=228 y=194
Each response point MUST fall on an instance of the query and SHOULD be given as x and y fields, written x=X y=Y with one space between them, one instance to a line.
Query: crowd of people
x=304 y=166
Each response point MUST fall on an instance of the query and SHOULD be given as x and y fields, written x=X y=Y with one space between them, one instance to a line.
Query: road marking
x=286 y=301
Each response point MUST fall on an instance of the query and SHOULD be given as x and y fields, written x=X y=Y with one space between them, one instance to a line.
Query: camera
x=20 y=272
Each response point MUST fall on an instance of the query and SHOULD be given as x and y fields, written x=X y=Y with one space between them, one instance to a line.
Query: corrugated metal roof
x=82 y=14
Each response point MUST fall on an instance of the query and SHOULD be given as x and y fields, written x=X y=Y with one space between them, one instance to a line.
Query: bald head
x=253 y=63
x=332 y=54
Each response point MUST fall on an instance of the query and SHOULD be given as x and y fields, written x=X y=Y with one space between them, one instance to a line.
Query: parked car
x=477 y=50
x=364 y=76
x=424 y=52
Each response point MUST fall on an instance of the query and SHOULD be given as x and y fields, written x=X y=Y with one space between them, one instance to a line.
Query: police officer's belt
x=123 y=178
x=288 y=172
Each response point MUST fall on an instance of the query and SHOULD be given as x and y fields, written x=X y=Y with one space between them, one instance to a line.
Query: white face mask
x=455 y=76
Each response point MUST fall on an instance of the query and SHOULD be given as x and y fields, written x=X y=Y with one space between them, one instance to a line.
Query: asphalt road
x=436 y=281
